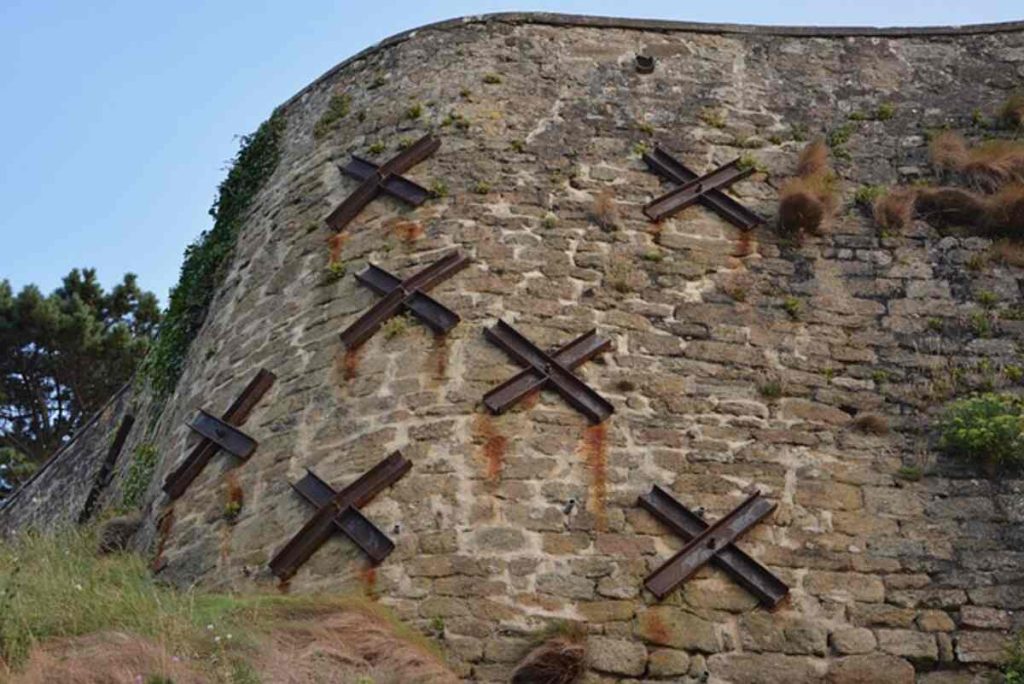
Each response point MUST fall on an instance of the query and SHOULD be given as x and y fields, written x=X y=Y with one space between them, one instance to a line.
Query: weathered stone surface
x=667 y=662
x=670 y=626
x=870 y=669
x=739 y=359
x=981 y=647
x=852 y=641
x=616 y=656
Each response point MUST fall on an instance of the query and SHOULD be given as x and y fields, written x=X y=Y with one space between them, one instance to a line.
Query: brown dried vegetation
x=871 y=423
x=808 y=200
x=1007 y=253
x=604 y=212
x=895 y=210
x=1011 y=114
x=556 y=661
x=988 y=165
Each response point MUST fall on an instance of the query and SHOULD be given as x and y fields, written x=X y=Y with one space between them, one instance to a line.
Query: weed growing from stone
x=985 y=427
x=793 y=307
x=770 y=388
x=640 y=148
x=518 y=146
x=377 y=148
x=713 y=117
x=377 y=82
x=481 y=187
x=911 y=473
x=652 y=255
x=439 y=189
x=337 y=109
x=140 y=472
x=987 y=299
x=492 y=78
x=394 y=327
x=334 y=272
x=549 y=221
x=414 y=111
x=867 y=194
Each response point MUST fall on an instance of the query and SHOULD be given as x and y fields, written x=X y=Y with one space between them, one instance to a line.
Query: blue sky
x=118 y=116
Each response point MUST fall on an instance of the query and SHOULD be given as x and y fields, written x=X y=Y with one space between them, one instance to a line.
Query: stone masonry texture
x=903 y=565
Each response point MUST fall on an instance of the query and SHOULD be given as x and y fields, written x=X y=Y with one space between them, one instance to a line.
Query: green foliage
x=1013 y=670
x=334 y=272
x=770 y=389
x=652 y=255
x=395 y=326
x=492 y=78
x=549 y=221
x=482 y=187
x=987 y=299
x=985 y=427
x=867 y=194
x=980 y=324
x=793 y=307
x=840 y=135
x=140 y=472
x=64 y=354
x=439 y=189
x=15 y=468
x=645 y=128
x=640 y=148
x=337 y=109
x=885 y=111
x=911 y=473
x=518 y=146
x=207 y=259
x=749 y=161
x=377 y=148
x=712 y=117
x=414 y=111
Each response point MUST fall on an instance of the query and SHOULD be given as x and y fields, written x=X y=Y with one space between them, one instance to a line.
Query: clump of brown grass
x=556 y=661
x=107 y=658
x=895 y=210
x=871 y=424
x=988 y=165
x=1005 y=211
x=604 y=212
x=1007 y=253
x=947 y=206
x=808 y=200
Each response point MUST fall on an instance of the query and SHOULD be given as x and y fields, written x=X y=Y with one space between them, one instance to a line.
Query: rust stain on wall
x=595 y=450
x=437 y=358
x=350 y=363
x=745 y=244
x=163 y=531
x=335 y=243
x=368 y=576
x=407 y=231
x=493 y=446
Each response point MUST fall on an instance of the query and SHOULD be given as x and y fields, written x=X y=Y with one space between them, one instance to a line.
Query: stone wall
x=893 y=578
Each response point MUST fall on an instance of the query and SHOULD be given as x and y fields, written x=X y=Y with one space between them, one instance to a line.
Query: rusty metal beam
x=383 y=179
x=672 y=170
x=408 y=294
x=107 y=468
x=182 y=476
x=546 y=370
x=338 y=511
x=755 y=578
x=224 y=435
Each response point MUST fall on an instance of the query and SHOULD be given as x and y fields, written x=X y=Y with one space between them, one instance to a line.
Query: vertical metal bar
x=107 y=468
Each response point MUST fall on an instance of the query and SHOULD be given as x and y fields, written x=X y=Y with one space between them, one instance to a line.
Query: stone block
x=844 y=586
x=674 y=627
x=982 y=647
x=667 y=662
x=853 y=641
x=870 y=669
x=616 y=656
x=908 y=644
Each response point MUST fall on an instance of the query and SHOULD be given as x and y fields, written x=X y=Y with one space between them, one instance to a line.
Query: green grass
x=55 y=586
x=337 y=109
x=140 y=472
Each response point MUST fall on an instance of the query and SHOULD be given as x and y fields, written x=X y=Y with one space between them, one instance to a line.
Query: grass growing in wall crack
x=207 y=259
x=985 y=427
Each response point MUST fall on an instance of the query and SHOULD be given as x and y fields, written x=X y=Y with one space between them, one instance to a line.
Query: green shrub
x=207 y=259
x=986 y=427
x=337 y=109
x=140 y=472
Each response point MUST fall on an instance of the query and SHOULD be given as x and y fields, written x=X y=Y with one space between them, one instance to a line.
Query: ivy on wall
x=207 y=259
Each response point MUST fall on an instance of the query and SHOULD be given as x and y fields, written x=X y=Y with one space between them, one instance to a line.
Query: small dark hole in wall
x=644 y=64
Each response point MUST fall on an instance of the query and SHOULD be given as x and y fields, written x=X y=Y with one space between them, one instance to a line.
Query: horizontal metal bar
x=181 y=477
x=757 y=579
x=440 y=318
x=371 y=321
x=426 y=278
x=666 y=166
x=570 y=355
x=350 y=522
x=319 y=528
x=314 y=490
x=411 y=156
x=572 y=389
x=399 y=187
x=224 y=435
x=365 y=534
x=688 y=193
x=106 y=470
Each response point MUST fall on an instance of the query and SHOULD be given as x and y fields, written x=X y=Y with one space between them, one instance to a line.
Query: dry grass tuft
x=604 y=212
x=808 y=200
x=1005 y=211
x=989 y=165
x=871 y=424
x=1007 y=253
x=107 y=658
x=813 y=160
x=557 y=661
x=895 y=210
x=948 y=150
x=947 y=206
